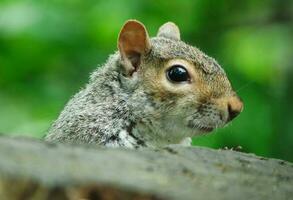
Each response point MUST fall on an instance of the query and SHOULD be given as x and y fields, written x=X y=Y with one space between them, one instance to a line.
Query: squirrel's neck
x=116 y=101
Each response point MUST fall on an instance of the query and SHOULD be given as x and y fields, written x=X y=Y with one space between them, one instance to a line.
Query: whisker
x=244 y=86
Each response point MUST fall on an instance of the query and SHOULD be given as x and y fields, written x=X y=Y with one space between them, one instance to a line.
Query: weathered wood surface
x=31 y=169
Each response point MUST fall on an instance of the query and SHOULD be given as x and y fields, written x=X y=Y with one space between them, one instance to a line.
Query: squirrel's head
x=188 y=90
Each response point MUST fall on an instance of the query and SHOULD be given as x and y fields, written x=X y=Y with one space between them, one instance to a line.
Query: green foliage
x=48 y=48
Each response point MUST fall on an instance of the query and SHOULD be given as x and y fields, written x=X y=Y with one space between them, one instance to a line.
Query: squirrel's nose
x=235 y=106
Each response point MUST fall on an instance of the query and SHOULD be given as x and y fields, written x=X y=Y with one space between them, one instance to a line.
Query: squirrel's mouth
x=205 y=129
x=203 y=126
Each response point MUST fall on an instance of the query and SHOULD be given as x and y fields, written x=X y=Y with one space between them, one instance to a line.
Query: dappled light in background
x=48 y=49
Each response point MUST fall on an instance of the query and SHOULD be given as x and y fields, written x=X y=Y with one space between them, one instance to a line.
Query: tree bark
x=31 y=169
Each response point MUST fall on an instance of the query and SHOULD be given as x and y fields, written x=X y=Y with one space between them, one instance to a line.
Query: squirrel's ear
x=169 y=30
x=133 y=42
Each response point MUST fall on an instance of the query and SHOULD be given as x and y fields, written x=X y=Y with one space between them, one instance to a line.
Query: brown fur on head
x=200 y=103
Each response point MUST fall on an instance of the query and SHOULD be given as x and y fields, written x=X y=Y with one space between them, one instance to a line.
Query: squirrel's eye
x=177 y=73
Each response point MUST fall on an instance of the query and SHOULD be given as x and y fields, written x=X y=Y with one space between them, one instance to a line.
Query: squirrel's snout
x=230 y=107
x=234 y=107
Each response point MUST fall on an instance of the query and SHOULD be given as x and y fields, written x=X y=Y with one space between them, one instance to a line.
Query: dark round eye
x=177 y=73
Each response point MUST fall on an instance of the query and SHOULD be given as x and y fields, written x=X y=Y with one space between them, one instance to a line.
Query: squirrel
x=150 y=93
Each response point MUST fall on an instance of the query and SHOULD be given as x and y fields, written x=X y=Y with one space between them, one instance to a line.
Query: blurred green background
x=48 y=48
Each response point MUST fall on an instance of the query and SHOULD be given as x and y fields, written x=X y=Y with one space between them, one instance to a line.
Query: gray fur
x=165 y=48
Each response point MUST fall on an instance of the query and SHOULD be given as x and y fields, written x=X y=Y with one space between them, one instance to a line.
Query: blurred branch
x=35 y=170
